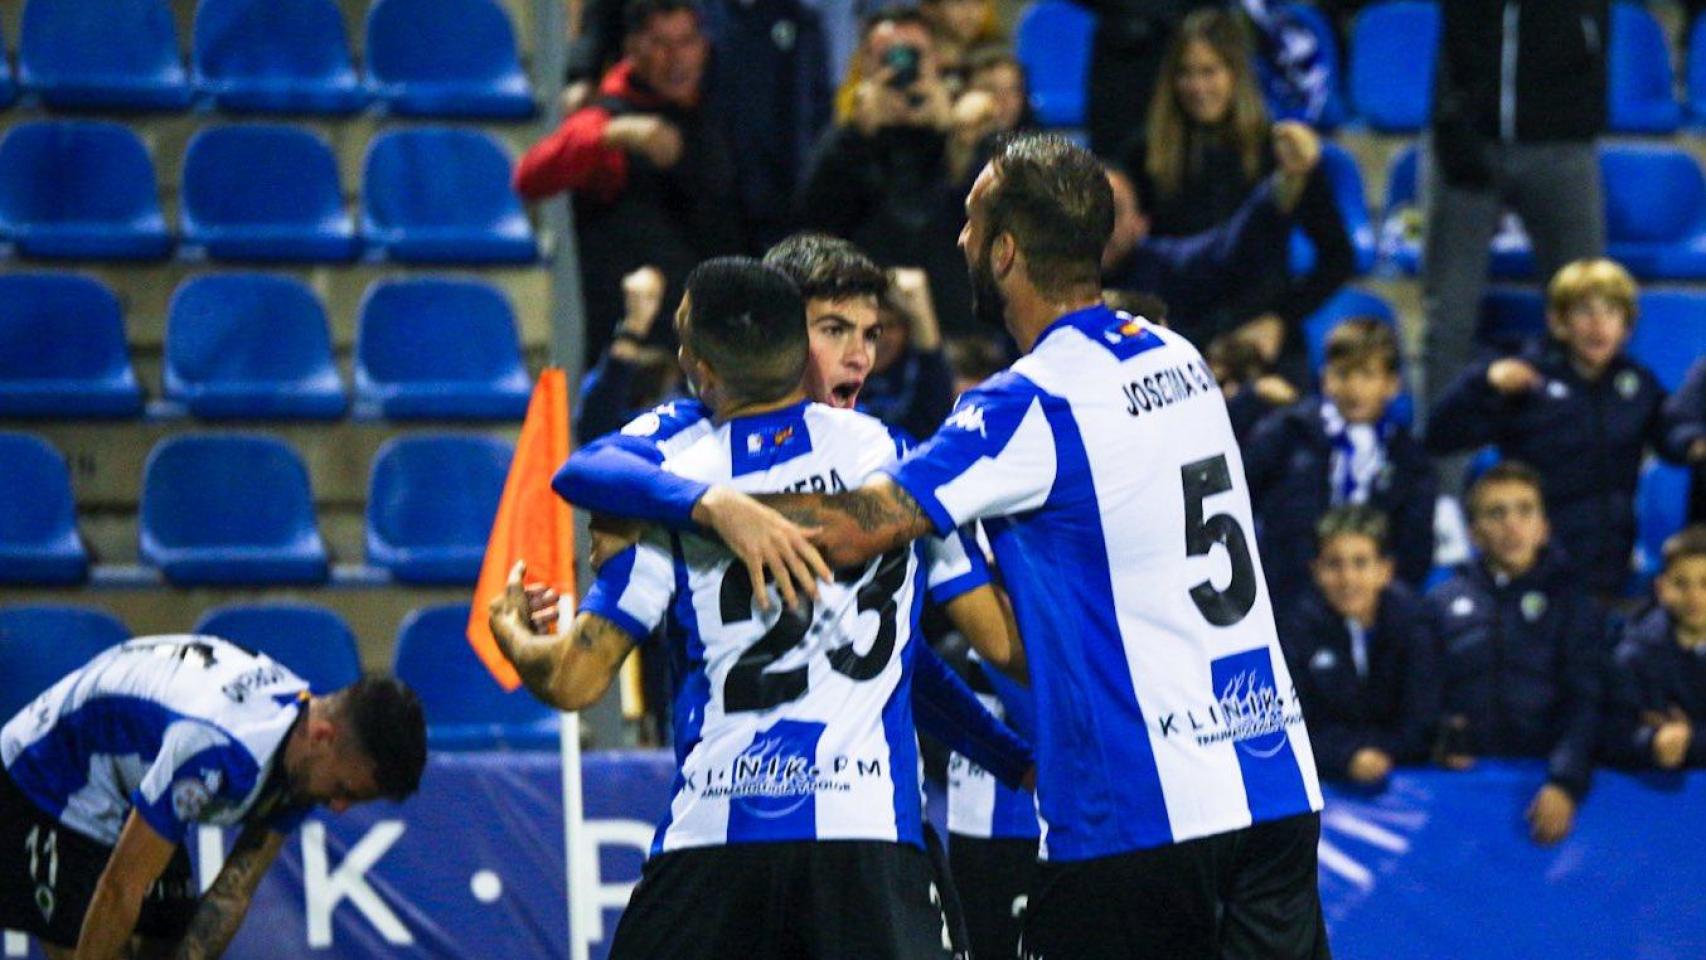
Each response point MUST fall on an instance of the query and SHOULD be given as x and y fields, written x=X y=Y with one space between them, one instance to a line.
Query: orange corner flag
x=533 y=523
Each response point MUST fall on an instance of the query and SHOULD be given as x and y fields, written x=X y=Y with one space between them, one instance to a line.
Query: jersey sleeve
x=622 y=474
x=954 y=565
x=995 y=455
x=199 y=767
x=634 y=588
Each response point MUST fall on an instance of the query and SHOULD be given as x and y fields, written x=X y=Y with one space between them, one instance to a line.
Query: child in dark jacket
x=1341 y=448
x=1578 y=410
x=1522 y=650
x=1363 y=655
x=1657 y=700
x=1685 y=431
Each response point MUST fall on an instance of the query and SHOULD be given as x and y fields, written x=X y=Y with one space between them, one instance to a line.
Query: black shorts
x=1243 y=895
x=824 y=900
x=48 y=874
x=994 y=880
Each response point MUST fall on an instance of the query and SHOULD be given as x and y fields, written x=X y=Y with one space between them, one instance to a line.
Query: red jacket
x=576 y=157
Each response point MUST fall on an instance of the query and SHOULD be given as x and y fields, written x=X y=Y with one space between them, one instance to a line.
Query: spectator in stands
x=1578 y=409
x=1339 y=449
x=1657 y=686
x=1362 y=653
x=768 y=78
x=911 y=386
x=1519 y=100
x=633 y=374
x=882 y=178
x=1685 y=431
x=649 y=169
x=1193 y=274
x=1522 y=650
x=999 y=75
x=1251 y=388
x=1206 y=146
x=961 y=29
x=1126 y=50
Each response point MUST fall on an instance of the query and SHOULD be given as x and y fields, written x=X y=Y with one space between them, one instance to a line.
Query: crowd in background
x=695 y=130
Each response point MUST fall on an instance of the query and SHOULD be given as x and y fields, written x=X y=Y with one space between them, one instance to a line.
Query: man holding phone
x=882 y=176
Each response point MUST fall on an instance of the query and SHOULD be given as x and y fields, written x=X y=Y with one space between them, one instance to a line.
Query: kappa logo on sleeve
x=968 y=417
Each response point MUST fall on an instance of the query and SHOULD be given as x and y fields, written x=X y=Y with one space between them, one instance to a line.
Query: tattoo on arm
x=223 y=907
x=886 y=508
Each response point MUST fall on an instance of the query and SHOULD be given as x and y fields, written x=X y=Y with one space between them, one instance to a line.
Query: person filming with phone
x=886 y=176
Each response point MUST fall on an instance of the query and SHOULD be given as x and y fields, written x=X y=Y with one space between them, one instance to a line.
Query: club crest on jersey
x=765 y=443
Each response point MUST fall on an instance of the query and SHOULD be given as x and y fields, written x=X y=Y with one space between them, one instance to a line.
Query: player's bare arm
x=137 y=861
x=221 y=910
x=985 y=618
x=854 y=526
x=569 y=671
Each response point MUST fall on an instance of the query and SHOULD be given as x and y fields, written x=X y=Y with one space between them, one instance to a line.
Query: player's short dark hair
x=1358 y=520
x=388 y=722
x=1361 y=340
x=1689 y=543
x=827 y=268
x=897 y=14
x=638 y=14
x=1053 y=197
x=747 y=321
x=1505 y=471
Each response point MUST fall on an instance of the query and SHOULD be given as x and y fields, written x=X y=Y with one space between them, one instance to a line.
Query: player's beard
x=988 y=303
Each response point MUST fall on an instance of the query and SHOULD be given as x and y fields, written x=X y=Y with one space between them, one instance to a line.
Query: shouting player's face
x=843 y=337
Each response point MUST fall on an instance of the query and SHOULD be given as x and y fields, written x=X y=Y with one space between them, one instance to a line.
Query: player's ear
x=1003 y=254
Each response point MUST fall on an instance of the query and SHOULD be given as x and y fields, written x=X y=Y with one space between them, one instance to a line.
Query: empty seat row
x=1392 y=69
x=258 y=346
x=239 y=509
x=1655 y=215
x=464 y=707
x=423 y=58
x=86 y=190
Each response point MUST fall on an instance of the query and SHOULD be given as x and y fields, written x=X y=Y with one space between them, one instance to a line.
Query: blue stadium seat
x=275 y=56
x=1655 y=211
x=1400 y=242
x=1661 y=509
x=38 y=520
x=1511 y=318
x=62 y=349
x=312 y=642
x=1348 y=194
x=431 y=503
x=229 y=509
x=1697 y=71
x=1640 y=88
x=260 y=192
x=1392 y=64
x=446 y=58
x=80 y=189
x=250 y=345
x=465 y=708
x=1053 y=42
x=437 y=195
x=438 y=348
x=1670 y=333
x=41 y=644
x=102 y=54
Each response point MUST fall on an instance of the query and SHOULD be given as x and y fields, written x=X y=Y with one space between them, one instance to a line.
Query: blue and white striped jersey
x=1164 y=708
x=788 y=725
x=979 y=805
x=183 y=729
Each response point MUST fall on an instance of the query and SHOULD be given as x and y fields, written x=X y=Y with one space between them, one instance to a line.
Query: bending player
x=793 y=726
x=1174 y=777
x=106 y=771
